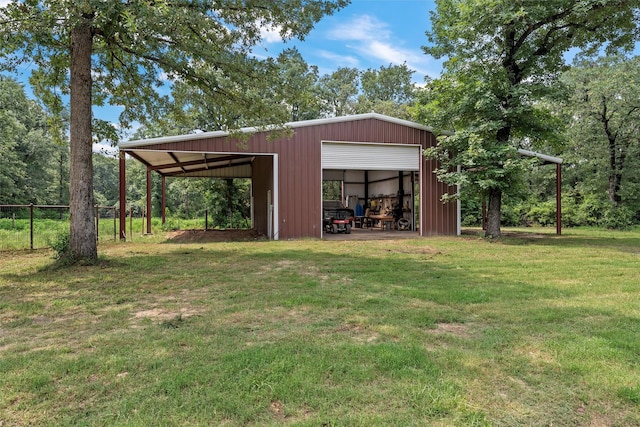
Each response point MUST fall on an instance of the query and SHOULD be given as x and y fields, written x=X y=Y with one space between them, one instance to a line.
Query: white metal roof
x=291 y=125
x=541 y=156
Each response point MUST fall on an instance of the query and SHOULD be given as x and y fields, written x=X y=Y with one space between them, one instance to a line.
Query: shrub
x=591 y=210
x=171 y=225
x=543 y=213
x=60 y=244
x=470 y=221
x=617 y=218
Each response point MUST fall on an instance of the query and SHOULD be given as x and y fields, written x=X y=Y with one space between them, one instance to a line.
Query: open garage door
x=366 y=156
x=375 y=180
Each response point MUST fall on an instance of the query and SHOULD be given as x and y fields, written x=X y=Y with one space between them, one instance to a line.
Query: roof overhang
x=124 y=145
x=545 y=158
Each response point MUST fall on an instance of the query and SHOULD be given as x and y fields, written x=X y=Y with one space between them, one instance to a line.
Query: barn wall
x=438 y=218
x=300 y=173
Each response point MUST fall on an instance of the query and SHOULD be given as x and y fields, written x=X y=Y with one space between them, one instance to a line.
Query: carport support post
x=366 y=189
x=164 y=200
x=123 y=197
x=558 y=199
x=148 y=200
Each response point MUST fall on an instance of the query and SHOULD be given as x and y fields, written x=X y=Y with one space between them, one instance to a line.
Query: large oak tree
x=501 y=58
x=121 y=52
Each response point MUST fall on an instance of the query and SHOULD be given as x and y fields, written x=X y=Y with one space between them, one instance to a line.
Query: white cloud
x=271 y=33
x=105 y=149
x=344 y=60
x=3 y=3
x=362 y=28
x=372 y=39
x=389 y=53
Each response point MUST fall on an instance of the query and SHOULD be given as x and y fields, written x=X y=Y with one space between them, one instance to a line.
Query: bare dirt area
x=371 y=234
x=204 y=236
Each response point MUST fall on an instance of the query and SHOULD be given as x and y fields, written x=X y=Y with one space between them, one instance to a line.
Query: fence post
x=97 y=224
x=114 y=224
x=130 y=224
x=31 y=225
x=206 y=219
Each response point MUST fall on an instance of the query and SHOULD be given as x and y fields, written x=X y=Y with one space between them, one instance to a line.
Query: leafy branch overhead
x=140 y=46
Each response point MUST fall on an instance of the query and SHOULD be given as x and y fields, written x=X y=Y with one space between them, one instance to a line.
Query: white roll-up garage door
x=369 y=156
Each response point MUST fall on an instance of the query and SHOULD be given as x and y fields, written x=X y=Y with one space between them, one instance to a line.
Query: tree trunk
x=82 y=239
x=616 y=163
x=615 y=180
x=493 y=213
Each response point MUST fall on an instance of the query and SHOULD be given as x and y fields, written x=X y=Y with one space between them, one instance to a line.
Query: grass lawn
x=537 y=330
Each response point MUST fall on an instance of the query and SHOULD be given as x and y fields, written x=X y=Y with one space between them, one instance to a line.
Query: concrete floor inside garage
x=371 y=234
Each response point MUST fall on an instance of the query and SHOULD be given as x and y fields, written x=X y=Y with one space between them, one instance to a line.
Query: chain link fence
x=38 y=226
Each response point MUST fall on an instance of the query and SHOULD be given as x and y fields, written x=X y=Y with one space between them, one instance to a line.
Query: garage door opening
x=375 y=182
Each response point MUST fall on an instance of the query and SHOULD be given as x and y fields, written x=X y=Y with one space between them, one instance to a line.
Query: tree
x=605 y=116
x=297 y=80
x=27 y=150
x=105 y=180
x=388 y=90
x=120 y=52
x=338 y=92
x=502 y=56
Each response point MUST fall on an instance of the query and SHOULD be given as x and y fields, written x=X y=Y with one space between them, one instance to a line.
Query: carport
x=377 y=157
x=258 y=167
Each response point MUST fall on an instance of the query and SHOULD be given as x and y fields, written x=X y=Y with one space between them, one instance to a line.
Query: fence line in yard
x=39 y=226
x=36 y=226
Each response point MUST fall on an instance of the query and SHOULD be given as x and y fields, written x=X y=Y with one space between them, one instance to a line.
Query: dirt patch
x=415 y=250
x=277 y=408
x=161 y=314
x=456 y=329
x=358 y=333
x=204 y=236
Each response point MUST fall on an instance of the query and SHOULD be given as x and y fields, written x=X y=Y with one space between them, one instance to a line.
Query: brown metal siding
x=438 y=218
x=300 y=174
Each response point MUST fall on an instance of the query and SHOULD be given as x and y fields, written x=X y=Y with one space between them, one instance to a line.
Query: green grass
x=532 y=330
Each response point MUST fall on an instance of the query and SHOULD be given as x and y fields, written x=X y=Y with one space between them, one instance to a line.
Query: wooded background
x=596 y=110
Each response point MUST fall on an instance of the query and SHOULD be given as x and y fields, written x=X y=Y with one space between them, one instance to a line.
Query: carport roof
x=194 y=164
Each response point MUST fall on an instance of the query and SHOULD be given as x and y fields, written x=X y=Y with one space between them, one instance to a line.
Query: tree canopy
x=502 y=57
x=605 y=119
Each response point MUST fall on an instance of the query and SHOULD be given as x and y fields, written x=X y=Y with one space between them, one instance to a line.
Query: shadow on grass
x=297 y=274
x=620 y=241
